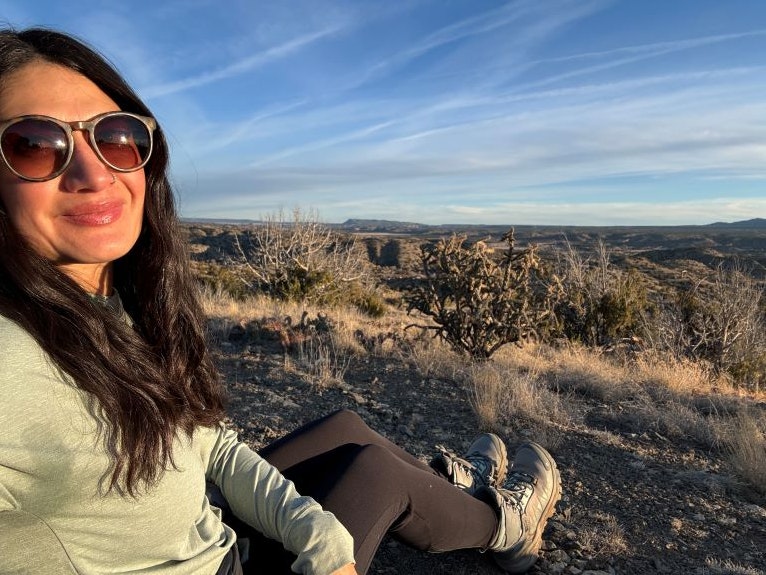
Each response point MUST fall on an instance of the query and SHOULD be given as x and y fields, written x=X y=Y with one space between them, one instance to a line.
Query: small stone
x=556 y=526
x=558 y=556
x=548 y=545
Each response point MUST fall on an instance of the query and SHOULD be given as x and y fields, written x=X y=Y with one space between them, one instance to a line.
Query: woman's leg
x=339 y=428
x=374 y=487
x=372 y=492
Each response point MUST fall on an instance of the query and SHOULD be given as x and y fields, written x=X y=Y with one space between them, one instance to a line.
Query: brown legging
x=373 y=487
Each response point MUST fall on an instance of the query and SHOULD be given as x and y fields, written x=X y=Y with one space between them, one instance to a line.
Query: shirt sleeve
x=259 y=495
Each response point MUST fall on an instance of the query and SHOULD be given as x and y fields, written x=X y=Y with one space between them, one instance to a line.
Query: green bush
x=221 y=279
x=600 y=302
x=370 y=304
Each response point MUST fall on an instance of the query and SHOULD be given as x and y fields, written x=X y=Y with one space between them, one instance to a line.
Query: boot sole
x=525 y=562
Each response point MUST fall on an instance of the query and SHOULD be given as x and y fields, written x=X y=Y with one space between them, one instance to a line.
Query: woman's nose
x=85 y=172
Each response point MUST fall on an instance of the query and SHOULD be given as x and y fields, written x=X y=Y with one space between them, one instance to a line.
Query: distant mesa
x=755 y=223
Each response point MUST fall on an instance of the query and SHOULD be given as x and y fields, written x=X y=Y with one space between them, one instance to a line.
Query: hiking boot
x=484 y=464
x=523 y=506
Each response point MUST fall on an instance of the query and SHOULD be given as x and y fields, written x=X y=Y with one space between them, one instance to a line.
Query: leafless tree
x=724 y=320
x=718 y=318
x=299 y=257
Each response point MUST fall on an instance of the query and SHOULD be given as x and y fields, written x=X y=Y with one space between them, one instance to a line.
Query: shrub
x=371 y=304
x=301 y=260
x=480 y=303
x=221 y=279
x=721 y=321
x=601 y=303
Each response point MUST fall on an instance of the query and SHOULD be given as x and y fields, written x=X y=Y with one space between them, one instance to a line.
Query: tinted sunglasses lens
x=123 y=141
x=35 y=148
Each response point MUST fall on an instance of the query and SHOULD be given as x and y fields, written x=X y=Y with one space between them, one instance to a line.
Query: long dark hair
x=144 y=383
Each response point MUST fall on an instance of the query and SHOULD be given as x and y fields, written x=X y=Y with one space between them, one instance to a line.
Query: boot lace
x=476 y=467
x=519 y=489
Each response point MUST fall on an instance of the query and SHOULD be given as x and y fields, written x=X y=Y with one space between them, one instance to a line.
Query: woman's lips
x=98 y=214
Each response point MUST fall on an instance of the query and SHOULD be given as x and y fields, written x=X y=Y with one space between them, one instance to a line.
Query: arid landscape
x=663 y=459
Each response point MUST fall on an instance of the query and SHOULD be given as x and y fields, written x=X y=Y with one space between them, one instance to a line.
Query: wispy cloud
x=635 y=54
x=656 y=48
x=598 y=121
x=242 y=66
x=220 y=136
x=544 y=18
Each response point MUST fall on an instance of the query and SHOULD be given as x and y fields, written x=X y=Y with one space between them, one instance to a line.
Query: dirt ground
x=633 y=503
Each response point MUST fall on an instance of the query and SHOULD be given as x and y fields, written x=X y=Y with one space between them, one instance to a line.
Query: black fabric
x=373 y=487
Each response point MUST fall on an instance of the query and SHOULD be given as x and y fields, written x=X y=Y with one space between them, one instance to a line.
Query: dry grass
x=588 y=373
x=729 y=567
x=602 y=535
x=488 y=396
x=347 y=323
x=681 y=376
x=747 y=450
x=322 y=359
x=501 y=395
x=434 y=358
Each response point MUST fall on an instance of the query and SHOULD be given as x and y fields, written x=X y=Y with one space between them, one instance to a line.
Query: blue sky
x=592 y=112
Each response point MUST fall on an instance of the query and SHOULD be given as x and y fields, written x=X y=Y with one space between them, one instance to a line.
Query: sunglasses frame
x=84 y=126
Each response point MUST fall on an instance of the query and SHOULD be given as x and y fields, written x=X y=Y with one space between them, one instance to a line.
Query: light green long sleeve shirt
x=55 y=519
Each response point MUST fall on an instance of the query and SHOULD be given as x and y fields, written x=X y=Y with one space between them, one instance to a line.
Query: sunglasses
x=40 y=148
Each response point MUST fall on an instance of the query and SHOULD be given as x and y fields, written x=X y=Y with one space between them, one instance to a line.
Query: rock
x=548 y=545
x=558 y=556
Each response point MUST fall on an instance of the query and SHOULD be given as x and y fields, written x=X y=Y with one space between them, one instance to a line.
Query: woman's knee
x=346 y=417
x=345 y=422
x=377 y=465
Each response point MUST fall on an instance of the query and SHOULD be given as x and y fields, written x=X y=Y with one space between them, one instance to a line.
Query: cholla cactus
x=479 y=301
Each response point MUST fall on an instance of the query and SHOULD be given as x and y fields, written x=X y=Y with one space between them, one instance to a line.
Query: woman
x=110 y=408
